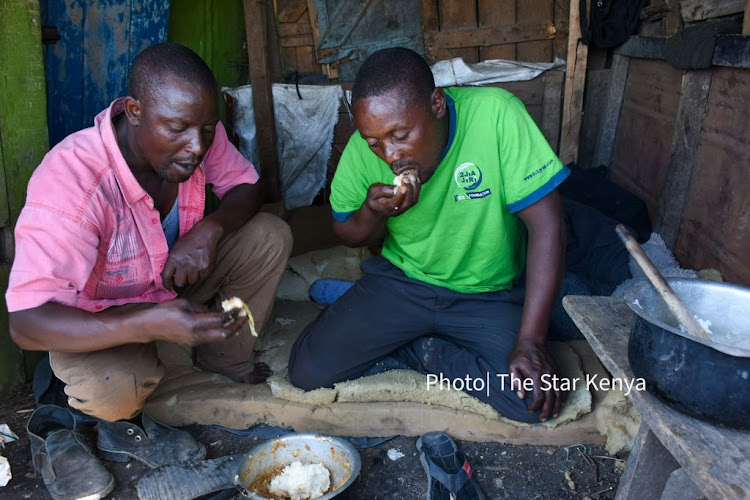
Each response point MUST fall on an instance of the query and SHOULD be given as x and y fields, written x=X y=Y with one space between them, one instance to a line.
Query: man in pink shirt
x=114 y=254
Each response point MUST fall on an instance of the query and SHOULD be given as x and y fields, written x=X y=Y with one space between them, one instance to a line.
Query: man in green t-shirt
x=473 y=241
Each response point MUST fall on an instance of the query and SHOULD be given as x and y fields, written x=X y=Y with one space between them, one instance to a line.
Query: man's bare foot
x=261 y=372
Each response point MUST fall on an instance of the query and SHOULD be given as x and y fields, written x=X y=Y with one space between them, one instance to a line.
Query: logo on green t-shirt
x=468 y=176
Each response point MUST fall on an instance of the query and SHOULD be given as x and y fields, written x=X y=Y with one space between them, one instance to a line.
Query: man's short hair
x=398 y=69
x=154 y=66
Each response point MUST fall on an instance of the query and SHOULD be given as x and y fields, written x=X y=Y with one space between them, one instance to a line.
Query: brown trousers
x=113 y=384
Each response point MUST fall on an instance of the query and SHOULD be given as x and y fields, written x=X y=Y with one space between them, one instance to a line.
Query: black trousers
x=433 y=329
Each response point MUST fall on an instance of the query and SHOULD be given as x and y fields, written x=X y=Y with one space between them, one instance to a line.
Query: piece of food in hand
x=399 y=179
x=301 y=482
x=237 y=306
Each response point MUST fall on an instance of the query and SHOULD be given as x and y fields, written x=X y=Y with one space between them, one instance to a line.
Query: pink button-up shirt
x=89 y=235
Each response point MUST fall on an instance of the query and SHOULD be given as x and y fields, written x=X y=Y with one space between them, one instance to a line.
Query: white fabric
x=457 y=72
x=304 y=135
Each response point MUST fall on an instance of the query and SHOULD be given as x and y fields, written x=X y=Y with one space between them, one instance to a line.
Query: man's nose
x=197 y=144
x=392 y=153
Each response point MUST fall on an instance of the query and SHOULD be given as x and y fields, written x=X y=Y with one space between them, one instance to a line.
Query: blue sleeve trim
x=540 y=193
x=341 y=216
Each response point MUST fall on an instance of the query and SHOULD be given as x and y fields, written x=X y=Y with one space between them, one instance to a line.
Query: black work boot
x=153 y=443
x=69 y=469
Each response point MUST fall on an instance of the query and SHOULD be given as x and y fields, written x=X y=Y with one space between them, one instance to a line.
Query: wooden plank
x=715 y=458
x=290 y=11
x=593 y=111
x=746 y=19
x=640 y=160
x=648 y=468
x=295 y=29
x=552 y=107
x=673 y=20
x=687 y=132
x=535 y=11
x=575 y=82
x=306 y=62
x=643 y=47
x=562 y=25
x=732 y=51
x=699 y=10
x=715 y=230
x=605 y=141
x=260 y=78
x=497 y=12
x=288 y=59
x=487 y=36
x=455 y=14
x=342 y=23
x=297 y=41
x=430 y=21
x=431 y=24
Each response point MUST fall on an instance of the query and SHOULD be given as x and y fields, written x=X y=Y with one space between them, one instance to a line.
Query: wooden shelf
x=716 y=459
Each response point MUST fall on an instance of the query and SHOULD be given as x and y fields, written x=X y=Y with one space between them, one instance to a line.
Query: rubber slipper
x=449 y=475
x=188 y=481
x=328 y=291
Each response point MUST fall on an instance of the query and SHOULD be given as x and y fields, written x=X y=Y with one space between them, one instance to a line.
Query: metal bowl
x=267 y=459
x=705 y=378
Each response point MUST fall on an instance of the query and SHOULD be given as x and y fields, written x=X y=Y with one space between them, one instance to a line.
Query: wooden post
x=260 y=78
x=551 y=112
x=685 y=140
x=605 y=140
x=648 y=468
x=575 y=83
x=746 y=19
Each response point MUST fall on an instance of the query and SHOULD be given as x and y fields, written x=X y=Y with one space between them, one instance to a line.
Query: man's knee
x=275 y=232
x=112 y=384
x=513 y=408
x=306 y=374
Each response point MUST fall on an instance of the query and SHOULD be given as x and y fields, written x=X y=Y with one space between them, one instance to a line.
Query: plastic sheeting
x=457 y=72
x=304 y=135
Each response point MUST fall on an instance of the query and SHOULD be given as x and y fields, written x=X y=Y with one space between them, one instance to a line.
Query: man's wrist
x=532 y=338
x=214 y=227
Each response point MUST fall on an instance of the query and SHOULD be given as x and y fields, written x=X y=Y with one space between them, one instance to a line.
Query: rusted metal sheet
x=644 y=134
x=88 y=67
x=715 y=229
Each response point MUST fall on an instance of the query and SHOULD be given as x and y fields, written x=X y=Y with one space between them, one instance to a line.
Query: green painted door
x=23 y=144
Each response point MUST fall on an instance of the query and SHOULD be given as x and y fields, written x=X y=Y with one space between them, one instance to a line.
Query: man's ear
x=437 y=101
x=133 y=110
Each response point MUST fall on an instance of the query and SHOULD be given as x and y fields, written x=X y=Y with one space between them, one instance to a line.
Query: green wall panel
x=215 y=29
x=23 y=143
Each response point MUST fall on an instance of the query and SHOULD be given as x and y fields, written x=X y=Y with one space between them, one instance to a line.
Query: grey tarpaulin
x=304 y=131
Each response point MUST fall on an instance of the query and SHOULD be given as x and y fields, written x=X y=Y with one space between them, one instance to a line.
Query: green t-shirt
x=462 y=234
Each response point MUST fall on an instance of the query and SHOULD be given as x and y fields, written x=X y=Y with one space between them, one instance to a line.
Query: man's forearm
x=237 y=207
x=56 y=327
x=545 y=261
x=363 y=227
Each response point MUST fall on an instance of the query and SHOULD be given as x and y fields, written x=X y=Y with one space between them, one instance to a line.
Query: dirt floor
x=502 y=471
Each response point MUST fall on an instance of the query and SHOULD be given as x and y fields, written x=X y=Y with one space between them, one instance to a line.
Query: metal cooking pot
x=708 y=379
